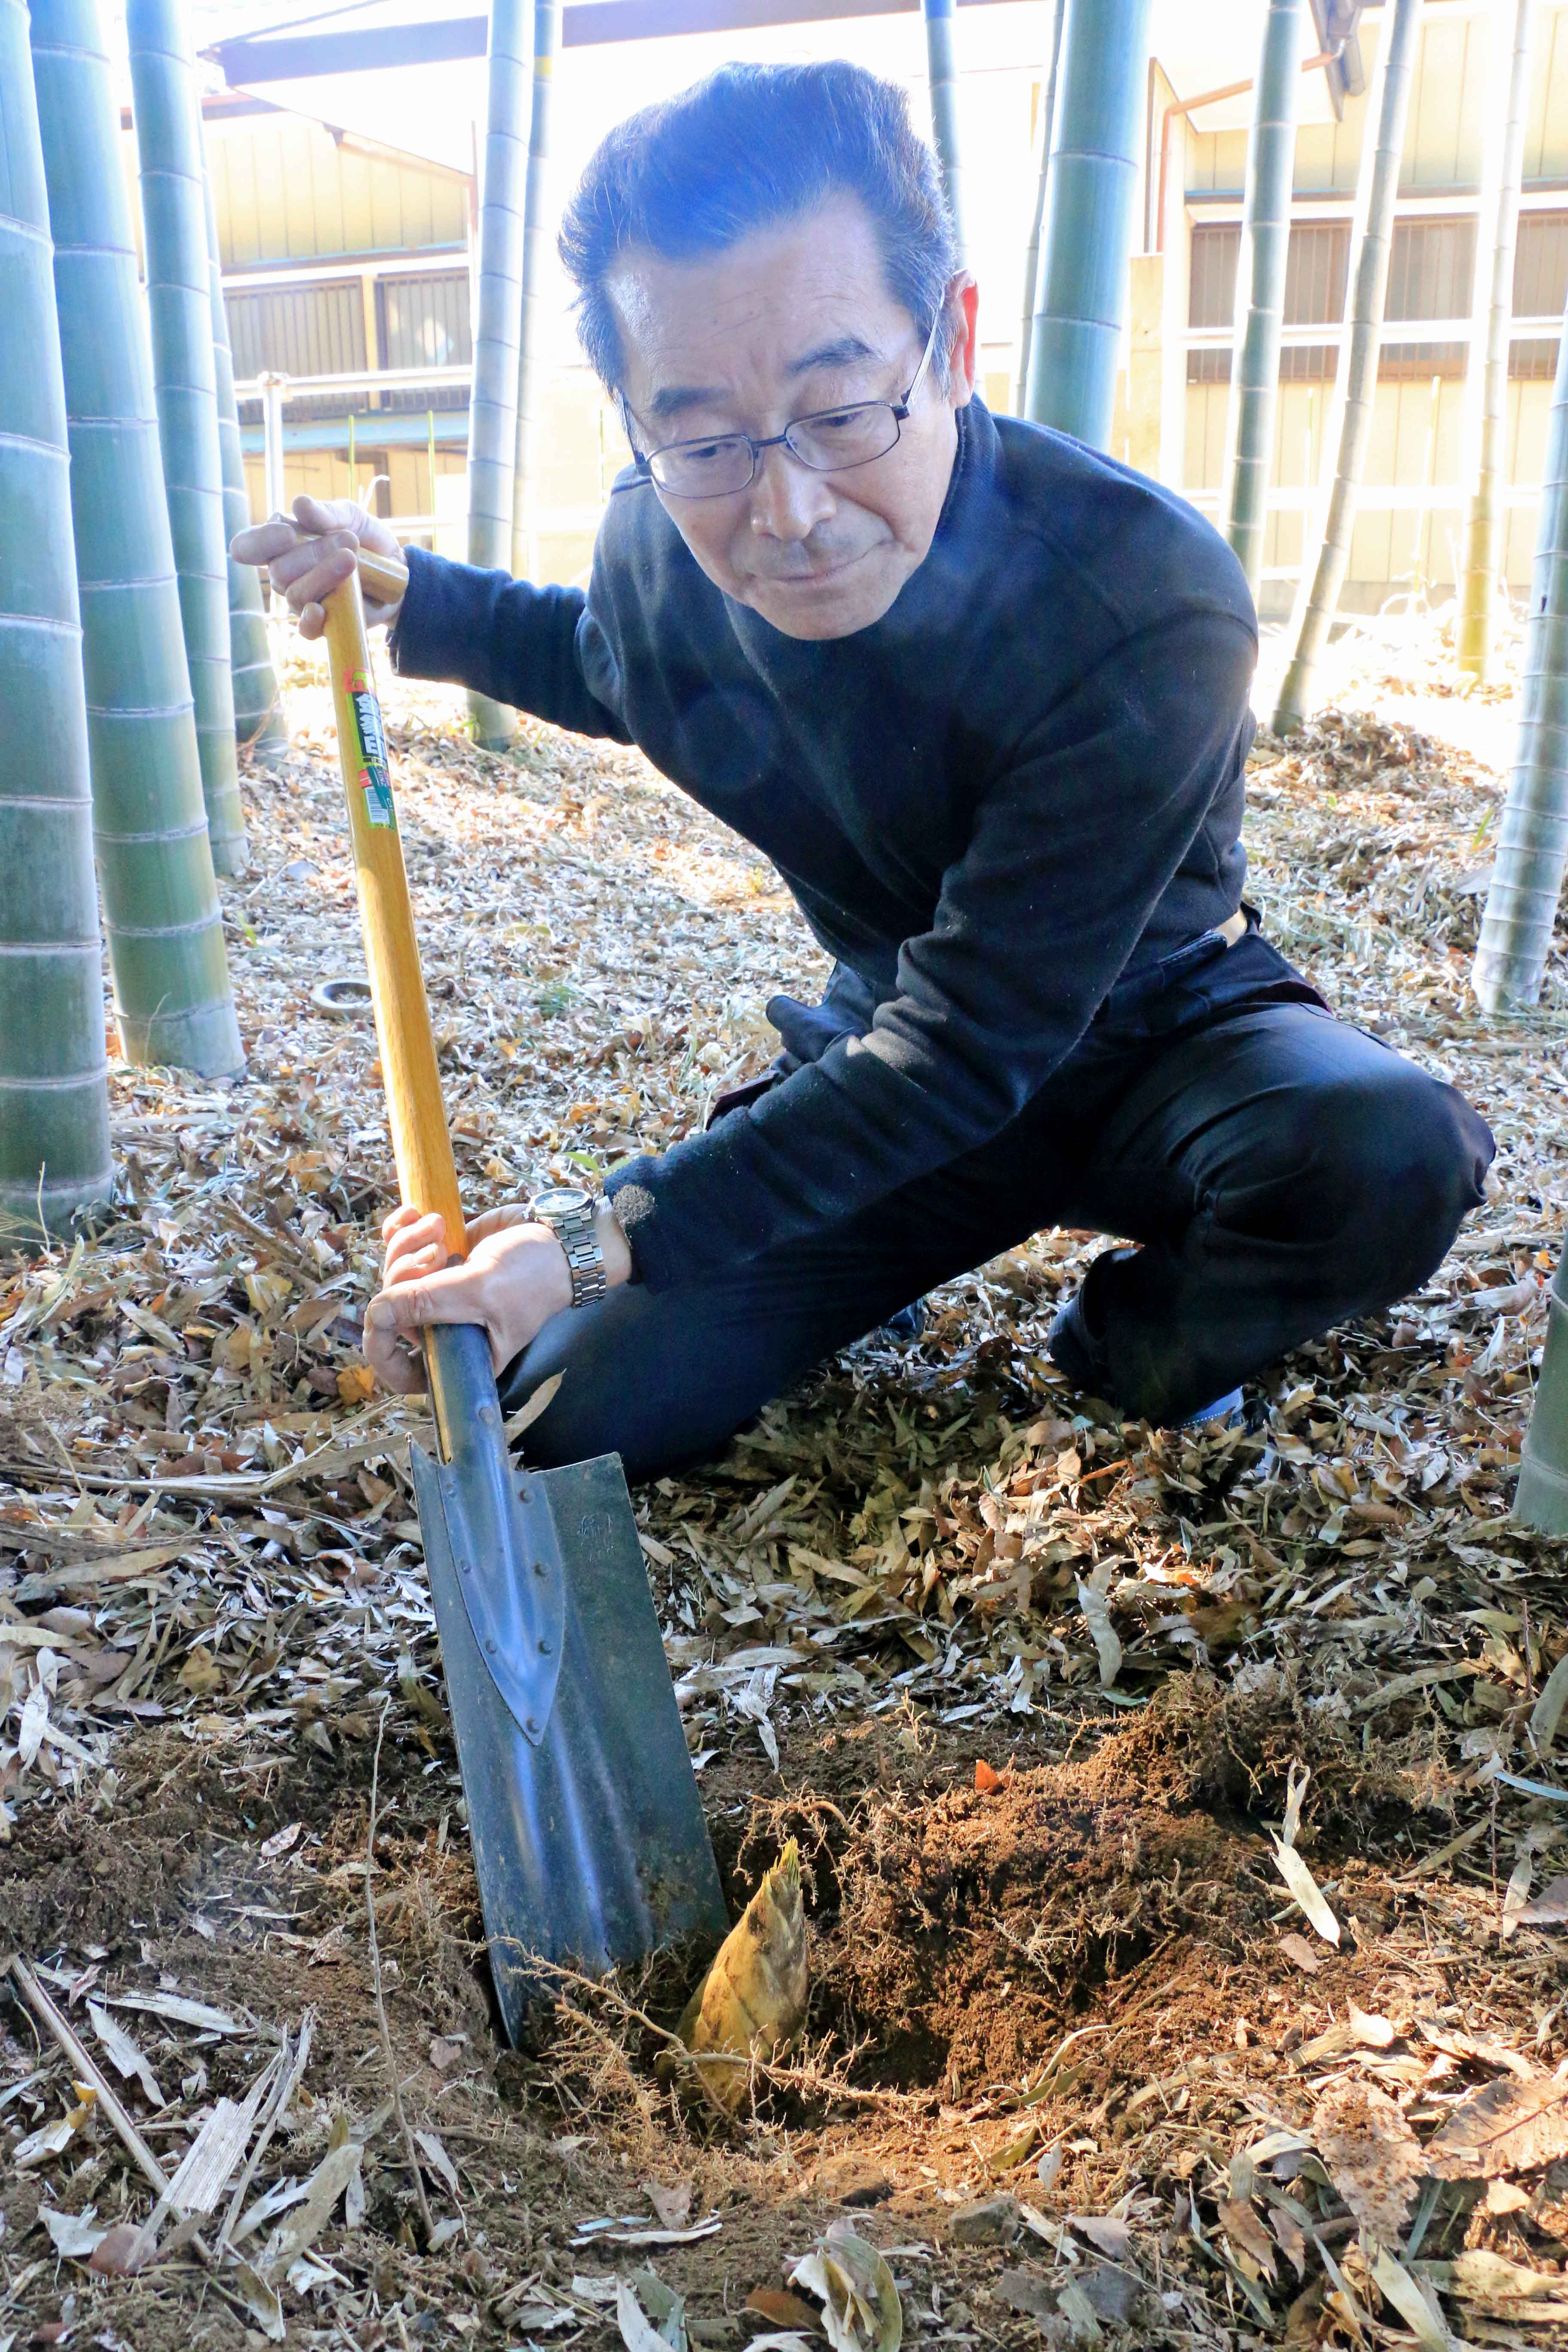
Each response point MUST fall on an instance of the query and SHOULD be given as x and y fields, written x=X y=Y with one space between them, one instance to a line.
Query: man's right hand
x=305 y=572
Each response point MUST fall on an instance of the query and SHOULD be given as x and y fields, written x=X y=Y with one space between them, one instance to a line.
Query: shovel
x=588 y=1838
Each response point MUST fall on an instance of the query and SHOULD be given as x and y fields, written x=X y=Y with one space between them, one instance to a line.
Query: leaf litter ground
x=1180 y=1815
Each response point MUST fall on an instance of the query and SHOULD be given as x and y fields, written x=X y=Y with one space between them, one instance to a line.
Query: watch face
x=562 y=1201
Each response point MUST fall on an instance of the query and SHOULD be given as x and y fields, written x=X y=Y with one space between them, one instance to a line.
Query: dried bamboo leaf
x=1547 y=1712
x=860 y=2307
x=1306 y=1891
x=305 y=2224
x=1397 y=2286
x=123 y=2055
x=1549 y=1907
x=1510 y=2127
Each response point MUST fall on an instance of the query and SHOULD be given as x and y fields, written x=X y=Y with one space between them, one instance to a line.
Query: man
x=980 y=694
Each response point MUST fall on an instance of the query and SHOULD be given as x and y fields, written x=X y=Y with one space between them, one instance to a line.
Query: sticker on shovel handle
x=373 y=779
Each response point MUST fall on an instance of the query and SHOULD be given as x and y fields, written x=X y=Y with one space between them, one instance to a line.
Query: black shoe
x=1072 y=1349
x=1076 y=1342
x=1079 y=1349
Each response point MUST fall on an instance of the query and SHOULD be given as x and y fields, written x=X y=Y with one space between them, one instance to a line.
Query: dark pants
x=1282 y=1171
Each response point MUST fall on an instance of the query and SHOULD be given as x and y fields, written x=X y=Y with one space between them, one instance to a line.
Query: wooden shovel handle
x=426 y=1173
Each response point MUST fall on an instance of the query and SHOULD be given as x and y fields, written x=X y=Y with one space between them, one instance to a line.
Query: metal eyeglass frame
x=898 y=410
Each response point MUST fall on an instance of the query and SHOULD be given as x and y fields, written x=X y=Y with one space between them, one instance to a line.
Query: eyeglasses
x=829 y=441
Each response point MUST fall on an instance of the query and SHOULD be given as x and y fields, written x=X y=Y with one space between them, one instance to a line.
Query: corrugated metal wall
x=1443 y=132
x=316 y=330
x=287 y=191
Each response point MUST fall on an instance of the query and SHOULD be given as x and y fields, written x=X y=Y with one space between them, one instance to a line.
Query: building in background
x=346 y=273
x=347 y=249
x=1410 y=520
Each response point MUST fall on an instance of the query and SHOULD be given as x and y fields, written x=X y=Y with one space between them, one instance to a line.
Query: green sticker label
x=375 y=781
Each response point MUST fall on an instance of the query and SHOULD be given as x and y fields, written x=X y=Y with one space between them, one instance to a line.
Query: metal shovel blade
x=588 y=1838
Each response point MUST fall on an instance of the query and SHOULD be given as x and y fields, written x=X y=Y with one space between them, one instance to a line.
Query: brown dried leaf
x=1373 y=2032
x=781 y=2309
x=671 y=2200
x=1242 y=2227
x=1510 y=2126
x=1372 y=2155
x=1550 y=1909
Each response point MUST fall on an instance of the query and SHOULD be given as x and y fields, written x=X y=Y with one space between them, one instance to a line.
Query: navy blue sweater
x=1023 y=782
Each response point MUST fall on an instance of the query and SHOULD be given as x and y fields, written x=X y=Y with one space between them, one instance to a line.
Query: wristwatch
x=569 y=1213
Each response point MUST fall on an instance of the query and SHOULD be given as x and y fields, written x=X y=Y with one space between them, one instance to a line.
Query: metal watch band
x=573 y=1229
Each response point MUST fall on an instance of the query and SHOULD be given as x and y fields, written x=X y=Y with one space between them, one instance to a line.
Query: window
x=1540 y=290
x=1431 y=268
x=1431 y=275
x=1315 y=265
x=424 y=323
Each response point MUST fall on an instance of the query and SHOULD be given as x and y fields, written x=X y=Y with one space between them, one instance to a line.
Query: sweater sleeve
x=1030 y=934
x=519 y=645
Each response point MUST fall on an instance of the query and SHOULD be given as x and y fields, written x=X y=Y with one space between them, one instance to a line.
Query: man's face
x=787 y=322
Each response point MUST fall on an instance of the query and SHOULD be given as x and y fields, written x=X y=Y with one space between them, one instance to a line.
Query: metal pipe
x=307 y=387
x=271 y=388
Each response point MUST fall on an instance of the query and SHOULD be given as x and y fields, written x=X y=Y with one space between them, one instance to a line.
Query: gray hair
x=753 y=147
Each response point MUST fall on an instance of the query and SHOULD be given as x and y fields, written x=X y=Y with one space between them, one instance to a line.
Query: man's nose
x=788 y=500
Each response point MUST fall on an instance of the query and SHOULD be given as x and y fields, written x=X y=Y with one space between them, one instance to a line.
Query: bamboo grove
x=123 y=627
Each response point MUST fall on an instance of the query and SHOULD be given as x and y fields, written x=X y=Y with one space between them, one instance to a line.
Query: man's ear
x=962 y=306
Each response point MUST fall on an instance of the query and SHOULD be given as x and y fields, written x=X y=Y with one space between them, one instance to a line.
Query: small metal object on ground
x=345 y=1000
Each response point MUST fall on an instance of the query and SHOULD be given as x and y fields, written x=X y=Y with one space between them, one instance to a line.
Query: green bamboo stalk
x=1042 y=176
x=1261 y=288
x=942 y=76
x=1082 y=300
x=1355 y=382
x=260 y=721
x=161 y=912
x=1533 y=839
x=1483 y=523
x=535 y=266
x=179 y=301
x=1541 y=1499
x=497 y=323
x=55 y=1162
